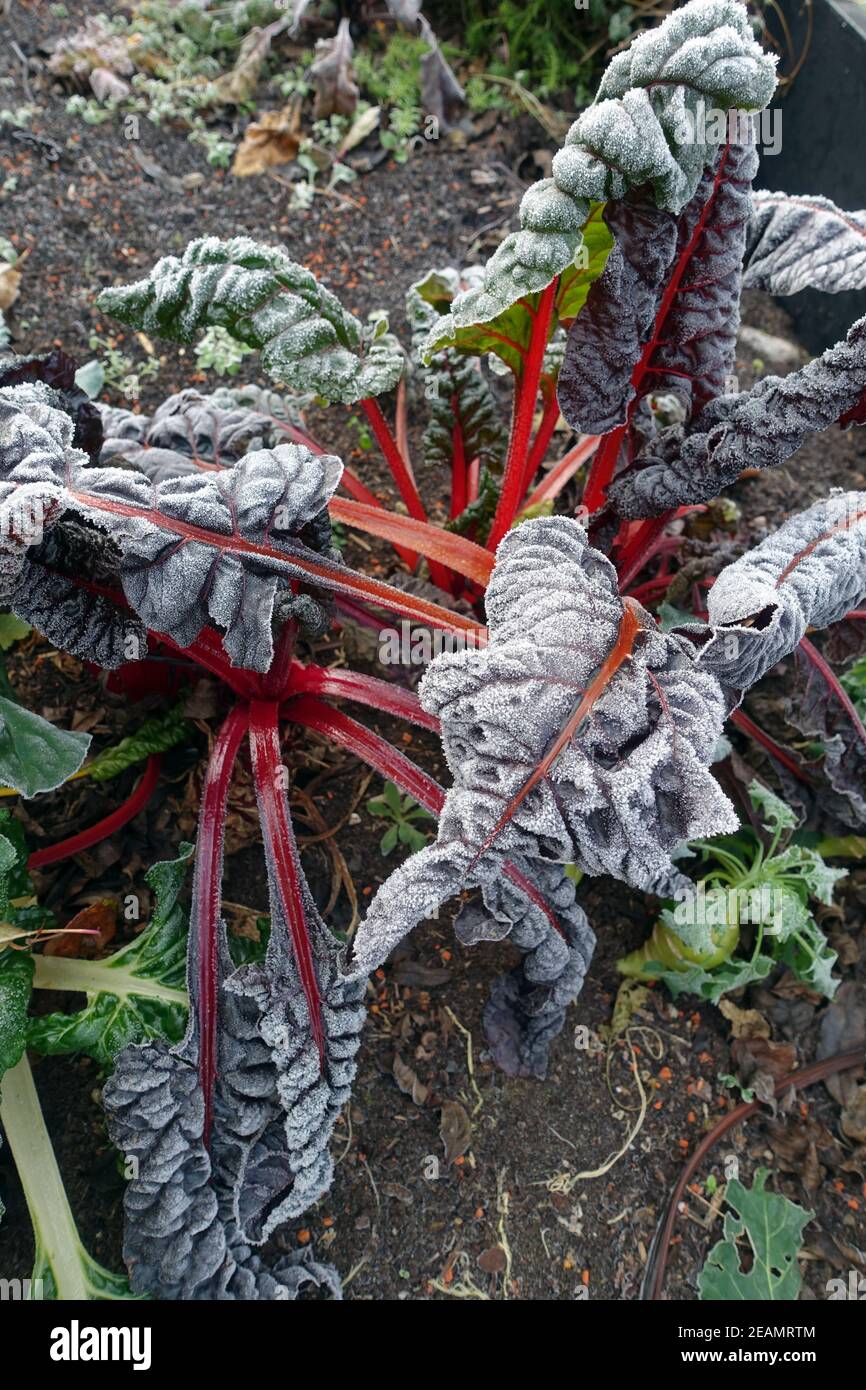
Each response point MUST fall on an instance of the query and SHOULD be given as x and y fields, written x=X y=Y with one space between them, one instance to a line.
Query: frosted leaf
x=799 y=243
x=644 y=127
x=182 y=1240
x=695 y=355
x=190 y=425
x=693 y=348
x=178 y=545
x=193 y=1217
x=756 y=429
x=455 y=390
x=176 y=585
x=527 y=1007
x=35 y=449
x=606 y=338
x=808 y=574
x=263 y=298
x=57 y=370
x=629 y=784
x=75 y=620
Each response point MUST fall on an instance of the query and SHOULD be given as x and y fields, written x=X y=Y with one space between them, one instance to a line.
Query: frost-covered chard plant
x=577 y=730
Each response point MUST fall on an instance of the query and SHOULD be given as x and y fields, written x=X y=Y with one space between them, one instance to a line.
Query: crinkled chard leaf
x=182 y=1237
x=187 y=429
x=798 y=243
x=606 y=338
x=755 y=429
x=57 y=370
x=457 y=394
x=813 y=706
x=642 y=129
x=526 y=1009
x=689 y=271
x=195 y=547
x=809 y=573
x=263 y=298
x=196 y=1213
x=575 y=676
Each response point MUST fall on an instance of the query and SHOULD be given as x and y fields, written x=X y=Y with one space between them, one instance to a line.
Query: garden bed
x=494 y=1209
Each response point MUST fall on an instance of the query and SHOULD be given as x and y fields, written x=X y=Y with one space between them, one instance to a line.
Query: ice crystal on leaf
x=755 y=429
x=193 y=547
x=690 y=353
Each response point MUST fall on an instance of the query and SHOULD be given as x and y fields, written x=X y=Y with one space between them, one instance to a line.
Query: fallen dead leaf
x=758 y=1054
x=492 y=1261
x=100 y=919
x=107 y=86
x=408 y=1081
x=361 y=127
x=854 y=1116
x=745 y=1023
x=455 y=1130
x=273 y=139
x=10 y=283
x=336 y=92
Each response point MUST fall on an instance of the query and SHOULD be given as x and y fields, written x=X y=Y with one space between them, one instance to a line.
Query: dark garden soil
x=452 y=1180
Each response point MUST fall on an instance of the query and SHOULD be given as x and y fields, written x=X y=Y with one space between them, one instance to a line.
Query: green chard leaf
x=773 y=1227
x=507 y=334
x=155 y=735
x=305 y=336
x=16 y=978
x=133 y=996
x=34 y=755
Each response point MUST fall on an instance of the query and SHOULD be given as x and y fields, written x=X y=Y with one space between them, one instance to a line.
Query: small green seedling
x=402 y=811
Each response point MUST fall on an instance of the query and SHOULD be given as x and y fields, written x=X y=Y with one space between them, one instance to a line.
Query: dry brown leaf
x=273 y=139
x=10 y=283
x=336 y=92
x=745 y=1023
x=239 y=85
x=455 y=1130
x=492 y=1261
x=854 y=1116
x=409 y=1082
x=361 y=127
x=107 y=86
x=757 y=1054
x=88 y=932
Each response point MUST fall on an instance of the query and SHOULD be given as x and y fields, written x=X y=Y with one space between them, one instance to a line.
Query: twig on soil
x=502 y=1201
x=470 y=1063
x=566 y=1182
